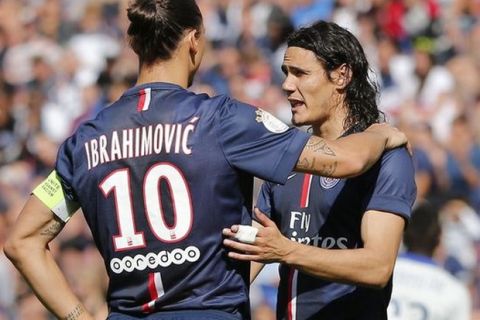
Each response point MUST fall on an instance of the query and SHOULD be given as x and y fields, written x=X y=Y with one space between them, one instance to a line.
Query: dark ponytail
x=157 y=26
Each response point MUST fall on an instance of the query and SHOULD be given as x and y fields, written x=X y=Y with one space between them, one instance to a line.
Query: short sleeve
x=264 y=201
x=65 y=168
x=394 y=186
x=255 y=141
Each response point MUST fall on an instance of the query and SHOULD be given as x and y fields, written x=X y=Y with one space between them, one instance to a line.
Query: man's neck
x=171 y=71
x=332 y=128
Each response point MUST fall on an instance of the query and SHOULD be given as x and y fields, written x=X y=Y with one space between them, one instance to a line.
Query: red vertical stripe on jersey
x=151 y=286
x=148 y=307
x=292 y=295
x=289 y=296
x=141 y=100
x=307 y=182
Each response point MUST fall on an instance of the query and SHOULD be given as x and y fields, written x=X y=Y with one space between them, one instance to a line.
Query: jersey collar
x=153 y=85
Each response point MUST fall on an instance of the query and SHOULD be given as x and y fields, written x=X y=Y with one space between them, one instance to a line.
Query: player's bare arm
x=317 y=145
x=349 y=156
x=371 y=265
x=52 y=229
x=27 y=248
x=76 y=313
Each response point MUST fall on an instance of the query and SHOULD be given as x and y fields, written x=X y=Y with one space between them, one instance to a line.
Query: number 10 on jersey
x=128 y=237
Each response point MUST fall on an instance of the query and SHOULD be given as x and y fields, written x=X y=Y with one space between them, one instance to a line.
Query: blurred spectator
x=432 y=85
x=421 y=288
x=279 y=26
x=92 y=46
x=463 y=162
x=228 y=66
x=223 y=20
x=29 y=307
x=420 y=17
x=393 y=72
x=263 y=292
x=7 y=289
x=10 y=141
x=307 y=12
x=461 y=232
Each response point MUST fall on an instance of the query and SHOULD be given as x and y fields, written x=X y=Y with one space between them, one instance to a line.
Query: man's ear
x=193 y=41
x=342 y=76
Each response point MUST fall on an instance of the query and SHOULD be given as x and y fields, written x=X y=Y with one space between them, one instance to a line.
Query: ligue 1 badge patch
x=270 y=122
x=328 y=183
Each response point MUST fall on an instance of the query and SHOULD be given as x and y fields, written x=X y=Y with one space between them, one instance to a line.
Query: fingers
x=227 y=232
x=240 y=246
x=243 y=256
x=263 y=218
x=241 y=249
x=245 y=234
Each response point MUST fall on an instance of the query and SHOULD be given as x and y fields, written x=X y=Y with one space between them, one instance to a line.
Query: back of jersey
x=156 y=191
x=423 y=290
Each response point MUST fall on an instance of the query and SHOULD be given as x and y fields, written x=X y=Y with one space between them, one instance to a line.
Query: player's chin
x=297 y=120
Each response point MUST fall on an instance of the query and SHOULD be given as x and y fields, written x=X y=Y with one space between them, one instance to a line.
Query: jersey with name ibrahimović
x=327 y=213
x=158 y=174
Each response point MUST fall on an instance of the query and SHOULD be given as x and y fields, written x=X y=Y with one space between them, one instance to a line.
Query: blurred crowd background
x=62 y=61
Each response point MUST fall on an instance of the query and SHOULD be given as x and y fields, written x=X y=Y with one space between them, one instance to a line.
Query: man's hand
x=395 y=137
x=269 y=245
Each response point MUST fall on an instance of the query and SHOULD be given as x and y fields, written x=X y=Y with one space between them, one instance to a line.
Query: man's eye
x=297 y=72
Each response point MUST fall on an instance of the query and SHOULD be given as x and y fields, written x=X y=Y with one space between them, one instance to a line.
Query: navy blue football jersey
x=327 y=213
x=158 y=175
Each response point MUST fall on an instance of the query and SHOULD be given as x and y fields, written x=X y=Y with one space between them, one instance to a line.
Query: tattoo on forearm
x=75 y=313
x=52 y=229
x=320 y=145
x=327 y=170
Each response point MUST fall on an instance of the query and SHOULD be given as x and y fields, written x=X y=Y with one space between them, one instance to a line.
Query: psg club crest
x=328 y=183
x=270 y=122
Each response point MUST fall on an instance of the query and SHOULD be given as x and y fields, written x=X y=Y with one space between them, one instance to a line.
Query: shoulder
x=397 y=162
x=396 y=155
x=392 y=183
x=229 y=104
x=222 y=105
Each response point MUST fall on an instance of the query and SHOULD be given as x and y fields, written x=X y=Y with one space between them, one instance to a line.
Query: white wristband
x=246 y=234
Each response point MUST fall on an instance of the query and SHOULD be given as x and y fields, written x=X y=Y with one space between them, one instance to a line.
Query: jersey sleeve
x=64 y=175
x=395 y=190
x=254 y=141
x=52 y=194
x=264 y=201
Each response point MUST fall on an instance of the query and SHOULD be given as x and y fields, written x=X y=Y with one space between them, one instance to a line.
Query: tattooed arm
x=351 y=155
x=27 y=248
